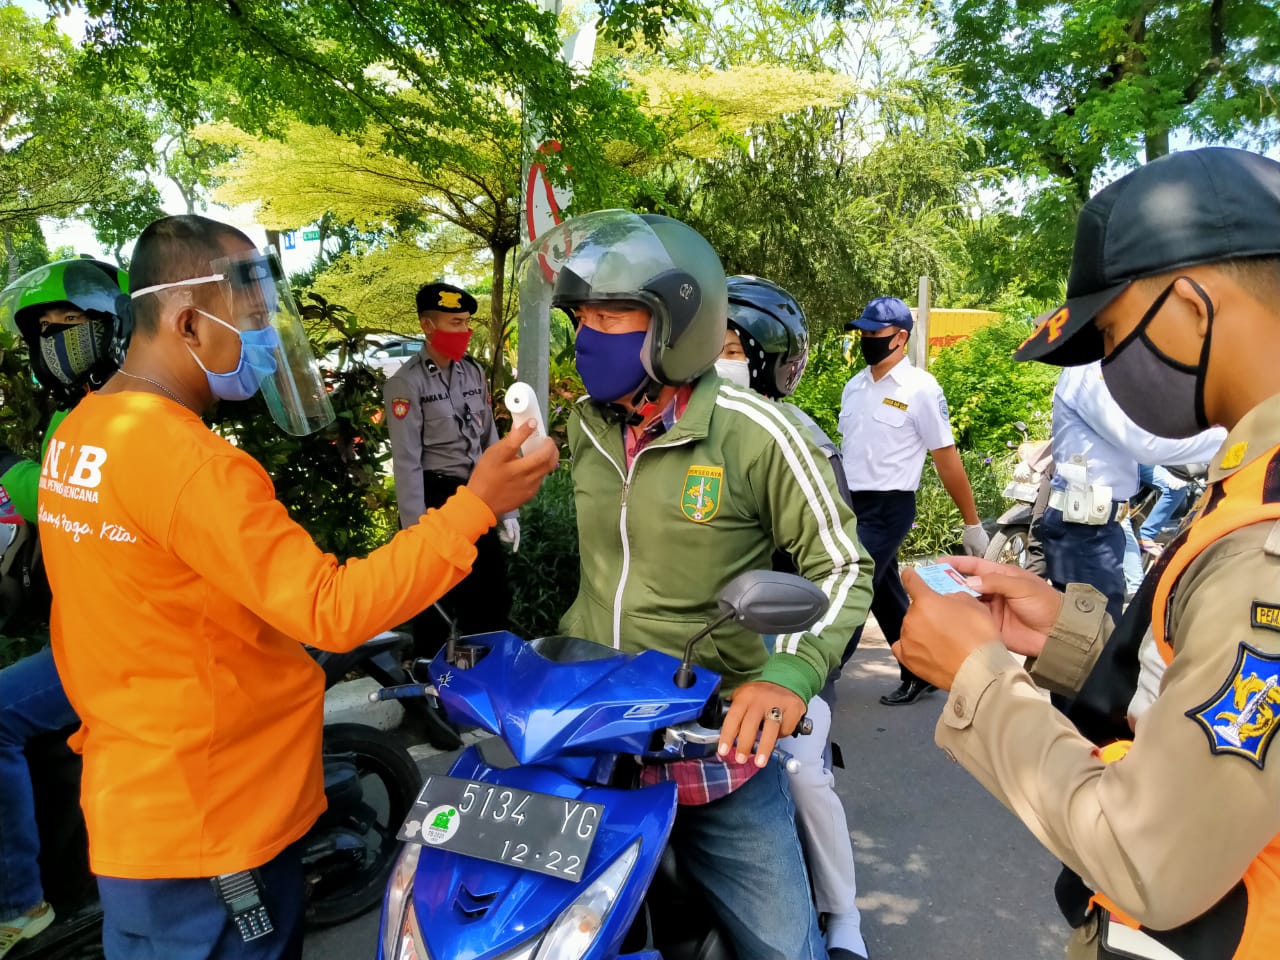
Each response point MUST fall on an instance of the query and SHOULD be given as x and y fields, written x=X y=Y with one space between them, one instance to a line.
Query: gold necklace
x=155 y=383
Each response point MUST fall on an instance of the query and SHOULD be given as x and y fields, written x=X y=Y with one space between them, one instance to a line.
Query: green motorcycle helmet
x=70 y=359
x=659 y=262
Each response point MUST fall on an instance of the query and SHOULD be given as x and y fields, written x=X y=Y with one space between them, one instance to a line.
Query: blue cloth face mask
x=609 y=363
x=257 y=361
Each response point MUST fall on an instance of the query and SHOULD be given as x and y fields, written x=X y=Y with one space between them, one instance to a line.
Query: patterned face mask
x=71 y=351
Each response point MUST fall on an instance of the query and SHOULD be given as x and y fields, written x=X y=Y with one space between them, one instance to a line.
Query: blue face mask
x=609 y=363
x=257 y=362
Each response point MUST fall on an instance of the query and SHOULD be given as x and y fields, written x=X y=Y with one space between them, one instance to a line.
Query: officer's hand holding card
x=943 y=578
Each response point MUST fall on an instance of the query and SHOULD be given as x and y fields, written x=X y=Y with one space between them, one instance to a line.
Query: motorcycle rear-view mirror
x=763 y=601
x=768 y=602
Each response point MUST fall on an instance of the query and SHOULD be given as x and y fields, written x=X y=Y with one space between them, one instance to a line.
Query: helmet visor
x=257 y=293
x=603 y=255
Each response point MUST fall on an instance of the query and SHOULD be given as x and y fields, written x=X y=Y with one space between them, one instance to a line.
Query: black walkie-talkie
x=241 y=894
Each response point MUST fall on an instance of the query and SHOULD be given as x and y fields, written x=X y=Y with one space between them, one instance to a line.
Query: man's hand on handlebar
x=759 y=709
x=505 y=480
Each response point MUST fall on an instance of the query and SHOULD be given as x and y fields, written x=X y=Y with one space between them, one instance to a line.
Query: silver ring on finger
x=775 y=714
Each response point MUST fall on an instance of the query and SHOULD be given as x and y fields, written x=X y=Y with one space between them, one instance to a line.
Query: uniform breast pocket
x=890 y=415
x=437 y=420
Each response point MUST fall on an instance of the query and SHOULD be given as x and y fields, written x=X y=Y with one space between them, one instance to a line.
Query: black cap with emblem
x=444 y=298
x=1193 y=207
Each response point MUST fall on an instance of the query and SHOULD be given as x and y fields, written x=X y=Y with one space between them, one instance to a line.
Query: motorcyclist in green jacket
x=66 y=313
x=683 y=480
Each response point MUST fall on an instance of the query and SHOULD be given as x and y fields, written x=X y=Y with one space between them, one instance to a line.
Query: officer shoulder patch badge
x=399 y=408
x=703 y=488
x=1241 y=717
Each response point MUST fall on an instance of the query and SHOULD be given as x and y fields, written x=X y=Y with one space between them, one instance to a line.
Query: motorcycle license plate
x=535 y=831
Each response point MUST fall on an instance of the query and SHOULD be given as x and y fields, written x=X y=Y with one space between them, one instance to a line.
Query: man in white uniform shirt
x=1097 y=450
x=891 y=414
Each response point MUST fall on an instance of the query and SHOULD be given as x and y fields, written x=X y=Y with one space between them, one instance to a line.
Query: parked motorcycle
x=1013 y=528
x=560 y=854
x=370 y=784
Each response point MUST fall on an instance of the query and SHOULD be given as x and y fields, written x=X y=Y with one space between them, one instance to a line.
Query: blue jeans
x=184 y=919
x=31 y=703
x=1080 y=553
x=743 y=851
x=1171 y=496
x=1132 y=559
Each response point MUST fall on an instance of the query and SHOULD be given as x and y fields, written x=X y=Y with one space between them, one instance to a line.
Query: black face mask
x=1158 y=393
x=876 y=349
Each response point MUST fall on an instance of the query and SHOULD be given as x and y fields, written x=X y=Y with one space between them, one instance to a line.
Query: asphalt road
x=944 y=871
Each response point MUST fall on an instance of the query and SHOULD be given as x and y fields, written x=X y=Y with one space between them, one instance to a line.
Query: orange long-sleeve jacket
x=183 y=593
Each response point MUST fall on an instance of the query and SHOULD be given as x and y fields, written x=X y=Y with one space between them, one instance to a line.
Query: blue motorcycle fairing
x=543 y=708
x=470 y=909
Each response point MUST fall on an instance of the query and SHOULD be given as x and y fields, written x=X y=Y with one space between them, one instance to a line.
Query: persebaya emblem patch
x=1241 y=717
x=702 y=489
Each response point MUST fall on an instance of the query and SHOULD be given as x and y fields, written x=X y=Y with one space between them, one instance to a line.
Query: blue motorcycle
x=552 y=852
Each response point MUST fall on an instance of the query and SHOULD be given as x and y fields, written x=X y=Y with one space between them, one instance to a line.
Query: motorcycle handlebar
x=405 y=691
x=716 y=710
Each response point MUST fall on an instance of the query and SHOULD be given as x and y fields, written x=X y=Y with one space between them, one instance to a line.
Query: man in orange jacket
x=183 y=592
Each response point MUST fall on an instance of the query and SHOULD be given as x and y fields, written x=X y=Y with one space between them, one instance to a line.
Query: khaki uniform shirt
x=439 y=420
x=1171 y=828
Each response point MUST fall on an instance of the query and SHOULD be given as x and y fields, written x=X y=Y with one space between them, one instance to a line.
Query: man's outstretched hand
x=505 y=480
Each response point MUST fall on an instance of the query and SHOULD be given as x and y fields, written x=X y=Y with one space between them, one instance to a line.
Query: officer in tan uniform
x=1176 y=824
x=440 y=420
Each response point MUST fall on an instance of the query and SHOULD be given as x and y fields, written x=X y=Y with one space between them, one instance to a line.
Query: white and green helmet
x=70 y=359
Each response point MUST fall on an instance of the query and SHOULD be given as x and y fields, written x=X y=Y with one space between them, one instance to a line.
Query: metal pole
x=920 y=338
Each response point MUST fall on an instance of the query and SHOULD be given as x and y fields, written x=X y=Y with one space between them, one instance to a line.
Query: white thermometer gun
x=522 y=403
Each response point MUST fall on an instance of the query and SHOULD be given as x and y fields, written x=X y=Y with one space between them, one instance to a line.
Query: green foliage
x=429 y=77
x=1067 y=89
x=544 y=572
x=25 y=406
x=938 y=525
x=987 y=390
x=831 y=363
x=63 y=144
x=24 y=249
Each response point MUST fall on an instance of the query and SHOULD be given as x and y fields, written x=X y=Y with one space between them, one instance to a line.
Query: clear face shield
x=603 y=255
x=256 y=296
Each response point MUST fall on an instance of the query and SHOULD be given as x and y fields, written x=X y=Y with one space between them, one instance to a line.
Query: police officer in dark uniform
x=440 y=420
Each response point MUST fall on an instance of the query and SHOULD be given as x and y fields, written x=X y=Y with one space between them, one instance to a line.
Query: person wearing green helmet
x=683 y=480
x=66 y=314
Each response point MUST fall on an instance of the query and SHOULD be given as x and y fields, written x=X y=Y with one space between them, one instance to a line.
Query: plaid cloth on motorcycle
x=700 y=781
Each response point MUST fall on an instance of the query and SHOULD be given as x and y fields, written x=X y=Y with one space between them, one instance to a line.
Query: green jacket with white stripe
x=734 y=479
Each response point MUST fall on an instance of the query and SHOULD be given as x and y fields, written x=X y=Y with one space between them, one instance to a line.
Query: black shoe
x=909 y=691
x=840 y=953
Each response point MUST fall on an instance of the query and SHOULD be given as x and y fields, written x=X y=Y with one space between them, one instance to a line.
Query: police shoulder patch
x=702 y=493
x=400 y=408
x=1241 y=717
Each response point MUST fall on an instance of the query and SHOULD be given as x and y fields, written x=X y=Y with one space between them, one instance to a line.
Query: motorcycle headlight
x=401 y=938
x=576 y=929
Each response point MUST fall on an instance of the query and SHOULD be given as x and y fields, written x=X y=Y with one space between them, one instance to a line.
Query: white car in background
x=387 y=354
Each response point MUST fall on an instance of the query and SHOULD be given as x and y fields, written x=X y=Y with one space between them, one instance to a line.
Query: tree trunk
x=273 y=240
x=497 y=315
x=1157 y=143
x=10 y=255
